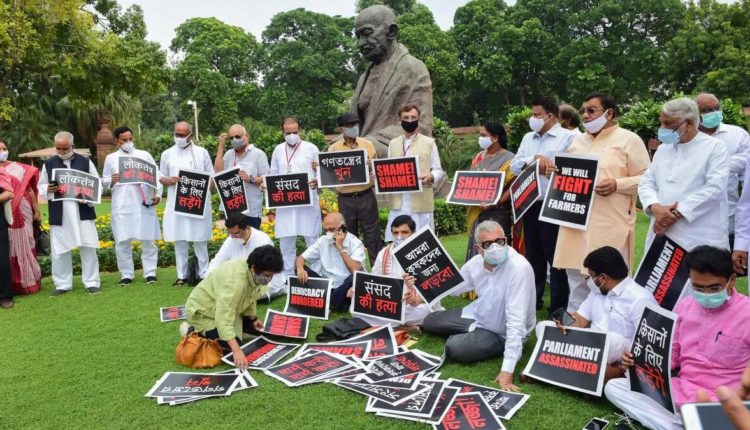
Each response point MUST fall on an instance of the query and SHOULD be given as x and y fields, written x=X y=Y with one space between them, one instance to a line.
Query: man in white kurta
x=737 y=141
x=133 y=211
x=74 y=227
x=184 y=154
x=684 y=191
x=295 y=155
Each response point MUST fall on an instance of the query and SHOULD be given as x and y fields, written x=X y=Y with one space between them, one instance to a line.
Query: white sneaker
x=185 y=328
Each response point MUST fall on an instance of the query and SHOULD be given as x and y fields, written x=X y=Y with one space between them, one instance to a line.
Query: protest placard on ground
x=469 y=411
x=305 y=370
x=382 y=338
x=281 y=324
x=397 y=365
x=504 y=403
x=172 y=313
x=190 y=384
x=262 y=353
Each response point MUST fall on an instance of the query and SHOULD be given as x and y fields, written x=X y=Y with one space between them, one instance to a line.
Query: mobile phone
x=699 y=416
x=563 y=316
x=53 y=183
x=596 y=424
x=342 y=229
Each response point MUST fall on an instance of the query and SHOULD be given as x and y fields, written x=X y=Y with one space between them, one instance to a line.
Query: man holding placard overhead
x=133 y=211
x=184 y=154
x=623 y=159
x=419 y=205
x=71 y=222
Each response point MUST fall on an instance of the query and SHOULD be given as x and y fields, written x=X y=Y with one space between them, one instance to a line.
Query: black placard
x=570 y=192
x=394 y=366
x=192 y=193
x=396 y=175
x=576 y=361
x=262 y=353
x=342 y=168
x=188 y=384
x=525 y=191
x=76 y=185
x=474 y=188
x=231 y=191
x=134 y=170
x=383 y=341
x=420 y=406
x=172 y=313
x=503 y=403
x=354 y=349
x=309 y=299
x=386 y=394
x=423 y=256
x=287 y=190
x=469 y=411
x=378 y=296
x=663 y=271
x=307 y=369
x=281 y=324
x=652 y=353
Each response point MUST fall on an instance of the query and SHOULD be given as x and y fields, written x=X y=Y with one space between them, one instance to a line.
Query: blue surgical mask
x=669 y=136
x=712 y=119
x=496 y=255
x=711 y=300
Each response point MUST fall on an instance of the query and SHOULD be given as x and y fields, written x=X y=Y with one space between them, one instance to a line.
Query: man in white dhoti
x=684 y=191
x=133 y=210
x=295 y=155
x=184 y=154
x=71 y=222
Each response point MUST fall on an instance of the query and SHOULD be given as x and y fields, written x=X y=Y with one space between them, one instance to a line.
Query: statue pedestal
x=105 y=141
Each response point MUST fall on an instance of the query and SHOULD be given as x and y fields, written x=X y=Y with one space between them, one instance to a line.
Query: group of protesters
x=690 y=190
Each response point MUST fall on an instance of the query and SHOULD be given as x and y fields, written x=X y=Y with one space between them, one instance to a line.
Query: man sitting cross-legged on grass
x=614 y=306
x=504 y=313
x=222 y=306
x=710 y=346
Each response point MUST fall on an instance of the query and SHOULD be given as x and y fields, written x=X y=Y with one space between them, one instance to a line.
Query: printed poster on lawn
x=383 y=341
x=172 y=313
x=504 y=403
x=192 y=192
x=378 y=296
x=525 y=191
x=474 y=188
x=189 y=384
x=310 y=299
x=570 y=193
x=342 y=168
x=262 y=353
x=281 y=324
x=287 y=190
x=307 y=369
x=396 y=175
x=469 y=411
x=663 y=271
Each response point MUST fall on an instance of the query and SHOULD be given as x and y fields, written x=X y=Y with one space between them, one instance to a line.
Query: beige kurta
x=622 y=156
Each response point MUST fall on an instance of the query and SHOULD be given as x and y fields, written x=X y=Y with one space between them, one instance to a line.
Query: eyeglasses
x=236 y=137
x=711 y=109
x=180 y=135
x=589 y=110
x=500 y=241
x=709 y=288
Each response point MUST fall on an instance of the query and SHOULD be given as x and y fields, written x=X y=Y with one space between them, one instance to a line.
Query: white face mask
x=596 y=125
x=496 y=255
x=3 y=155
x=329 y=235
x=292 y=139
x=67 y=156
x=398 y=240
x=485 y=142
x=182 y=142
x=536 y=124
x=128 y=146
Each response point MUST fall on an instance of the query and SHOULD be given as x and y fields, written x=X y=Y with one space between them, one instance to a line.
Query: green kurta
x=221 y=300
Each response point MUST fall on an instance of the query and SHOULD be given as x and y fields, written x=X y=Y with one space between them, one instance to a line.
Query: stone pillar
x=105 y=141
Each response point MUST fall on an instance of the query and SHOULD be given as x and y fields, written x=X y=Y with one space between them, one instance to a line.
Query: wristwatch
x=342 y=251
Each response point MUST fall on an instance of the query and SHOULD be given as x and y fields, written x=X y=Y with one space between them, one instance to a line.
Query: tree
x=399 y=6
x=218 y=70
x=308 y=68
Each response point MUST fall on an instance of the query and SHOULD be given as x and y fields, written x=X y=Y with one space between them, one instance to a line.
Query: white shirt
x=234 y=249
x=73 y=232
x=178 y=227
x=506 y=302
x=255 y=163
x=296 y=221
x=324 y=255
x=619 y=311
x=556 y=140
x=742 y=230
x=737 y=140
x=694 y=175
x=130 y=219
x=436 y=170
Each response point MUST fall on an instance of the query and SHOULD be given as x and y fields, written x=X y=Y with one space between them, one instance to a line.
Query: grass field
x=81 y=361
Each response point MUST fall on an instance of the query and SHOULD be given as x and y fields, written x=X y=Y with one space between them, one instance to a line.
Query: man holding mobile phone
x=336 y=256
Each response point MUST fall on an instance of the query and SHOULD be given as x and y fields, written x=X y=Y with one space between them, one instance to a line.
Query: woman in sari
x=25 y=270
x=494 y=157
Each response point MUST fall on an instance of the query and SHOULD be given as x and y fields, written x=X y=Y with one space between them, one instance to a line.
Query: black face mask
x=409 y=126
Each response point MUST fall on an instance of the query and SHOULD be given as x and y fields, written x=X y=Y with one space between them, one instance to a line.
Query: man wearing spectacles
x=503 y=315
x=710 y=345
x=623 y=158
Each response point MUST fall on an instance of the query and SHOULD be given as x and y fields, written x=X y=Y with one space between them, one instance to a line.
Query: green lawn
x=81 y=361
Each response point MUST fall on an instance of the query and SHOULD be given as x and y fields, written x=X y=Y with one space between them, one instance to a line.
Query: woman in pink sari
x=25 y=270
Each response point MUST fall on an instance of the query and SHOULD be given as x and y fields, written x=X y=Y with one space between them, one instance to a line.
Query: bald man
x=182 y=230
x=336 y=256
x=737 y=142
x=393 y=79
x=253 y=165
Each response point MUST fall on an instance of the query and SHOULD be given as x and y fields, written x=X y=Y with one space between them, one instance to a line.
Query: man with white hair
x=253 y=165
x=684 y=191
x=737 y=141
x=184 y=154
x=71 y=223
x=504 y=313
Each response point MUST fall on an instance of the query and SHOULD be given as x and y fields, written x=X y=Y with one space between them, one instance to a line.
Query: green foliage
x=517 y=125
x=455 y=153
x=399 y=6
x=732 y=113
x=642 y=118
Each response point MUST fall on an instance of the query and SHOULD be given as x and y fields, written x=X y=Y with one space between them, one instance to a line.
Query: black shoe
x=178 y=283
x=150 y=279
x=93 y=290
x=59 y=292
x=124 y=282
